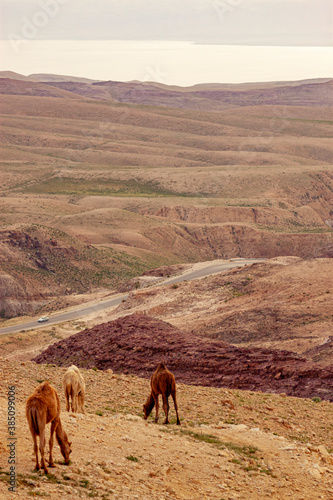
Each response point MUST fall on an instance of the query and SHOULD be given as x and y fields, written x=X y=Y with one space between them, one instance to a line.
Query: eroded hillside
x=39 y=264
x=162 y=185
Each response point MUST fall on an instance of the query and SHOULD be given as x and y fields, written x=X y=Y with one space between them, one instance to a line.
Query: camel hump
x=73 y=367
x=45 y=385
x=44 y=388
x=161 y=366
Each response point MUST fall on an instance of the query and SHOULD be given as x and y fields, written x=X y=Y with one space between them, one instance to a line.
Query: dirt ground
x=230 y=445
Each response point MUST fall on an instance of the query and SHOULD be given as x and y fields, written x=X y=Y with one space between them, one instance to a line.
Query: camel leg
x=76 y=403
x=81 y=402
x=34 y=437
x=173 y=394
x=42 y=448
x=53 y=427
x=67 y=398
x=74 y=400
x=166 y=408
x=155 y=396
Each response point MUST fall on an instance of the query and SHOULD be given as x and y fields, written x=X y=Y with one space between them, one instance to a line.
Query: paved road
x=210 y=269
x=106 y=304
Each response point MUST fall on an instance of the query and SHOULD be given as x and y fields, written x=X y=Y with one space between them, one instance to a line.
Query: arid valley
x=112 y=188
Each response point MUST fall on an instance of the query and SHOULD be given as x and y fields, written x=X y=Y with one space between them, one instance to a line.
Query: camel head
x=66 y=450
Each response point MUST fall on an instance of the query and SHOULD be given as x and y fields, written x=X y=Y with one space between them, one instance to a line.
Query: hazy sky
x=172 y=41
x=257 y=22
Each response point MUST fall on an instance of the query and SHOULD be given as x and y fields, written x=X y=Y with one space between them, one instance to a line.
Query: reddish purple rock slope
x=137 y=343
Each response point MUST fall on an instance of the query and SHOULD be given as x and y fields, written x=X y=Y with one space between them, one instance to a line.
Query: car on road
x=42 y=319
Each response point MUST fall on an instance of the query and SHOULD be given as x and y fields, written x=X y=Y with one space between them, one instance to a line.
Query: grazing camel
x=74 y=388
x=162 y=382
x=43 y=407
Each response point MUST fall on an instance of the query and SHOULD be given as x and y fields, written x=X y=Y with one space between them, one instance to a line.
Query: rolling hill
x=167 y=175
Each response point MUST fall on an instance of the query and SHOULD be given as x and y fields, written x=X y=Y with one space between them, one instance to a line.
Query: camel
x=74 y=388
x=43 y=407
x=162 y=382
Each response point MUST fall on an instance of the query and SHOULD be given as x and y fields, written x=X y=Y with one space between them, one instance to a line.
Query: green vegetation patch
x=97 y=187
x=132 y=458
x=206 y=438
x=246 y=456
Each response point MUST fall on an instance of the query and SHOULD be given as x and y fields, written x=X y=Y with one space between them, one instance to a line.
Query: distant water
x=169 y=62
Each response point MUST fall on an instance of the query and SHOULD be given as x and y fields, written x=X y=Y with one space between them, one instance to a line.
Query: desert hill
x=31 y=88
x=234 y=86
x=204 y=97
x=207 y=98
x=15 y=76
x=169 y=185
x=47 y=77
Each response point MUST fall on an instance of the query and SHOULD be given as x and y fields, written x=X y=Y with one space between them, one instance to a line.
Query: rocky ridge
x=135 y=344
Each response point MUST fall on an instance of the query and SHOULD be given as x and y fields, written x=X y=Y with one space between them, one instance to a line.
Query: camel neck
x=59 y=432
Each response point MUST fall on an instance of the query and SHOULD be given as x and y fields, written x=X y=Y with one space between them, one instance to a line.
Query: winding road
x=205 y=270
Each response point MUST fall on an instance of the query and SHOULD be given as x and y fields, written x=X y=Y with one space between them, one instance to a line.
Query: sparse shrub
x=84 y=483
x=132 y=458
x=38 y=493
x=53 y=479
x=316 y=400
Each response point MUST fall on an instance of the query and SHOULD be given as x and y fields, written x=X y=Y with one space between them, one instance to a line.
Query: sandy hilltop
x=109 y=189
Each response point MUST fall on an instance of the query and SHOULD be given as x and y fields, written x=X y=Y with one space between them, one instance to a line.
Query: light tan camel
x=162 y=382
x=74 y=388
x=43 y=407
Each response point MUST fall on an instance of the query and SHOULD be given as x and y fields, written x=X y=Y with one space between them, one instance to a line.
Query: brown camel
x=43 y=407
x=162 y=382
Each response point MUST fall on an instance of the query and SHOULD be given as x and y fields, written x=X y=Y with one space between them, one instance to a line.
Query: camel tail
x=68 y=390
x=33 y=413
x=172 y=386
x=72 y=393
